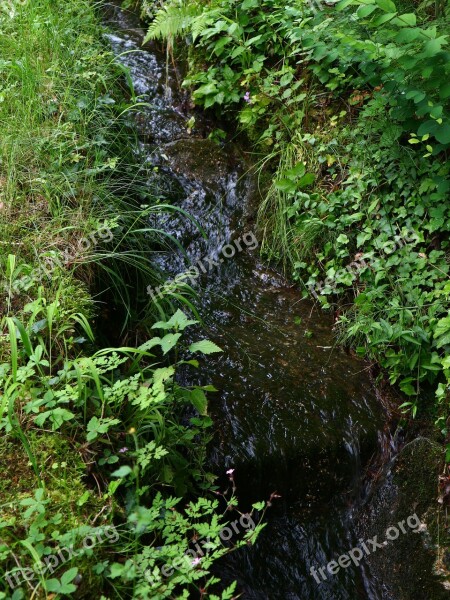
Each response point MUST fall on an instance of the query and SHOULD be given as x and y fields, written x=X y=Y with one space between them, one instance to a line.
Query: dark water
x=294 y=413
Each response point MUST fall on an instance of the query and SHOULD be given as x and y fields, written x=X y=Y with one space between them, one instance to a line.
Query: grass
x=68 y=222
x=91 y=440
x=71 y=210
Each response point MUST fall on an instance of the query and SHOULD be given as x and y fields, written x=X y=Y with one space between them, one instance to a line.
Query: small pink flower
x=247 y=97
x=230 y=472
x=196 y=561
x=123 y=450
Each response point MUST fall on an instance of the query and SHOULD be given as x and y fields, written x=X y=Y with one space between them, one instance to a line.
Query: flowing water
x=294 y=413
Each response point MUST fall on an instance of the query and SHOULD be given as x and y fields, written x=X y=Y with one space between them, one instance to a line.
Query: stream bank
x=294 y=412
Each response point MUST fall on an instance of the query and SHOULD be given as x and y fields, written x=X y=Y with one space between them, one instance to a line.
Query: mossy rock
x=412 y=565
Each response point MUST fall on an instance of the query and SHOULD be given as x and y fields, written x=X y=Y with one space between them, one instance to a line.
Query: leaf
x=343 y=4
x=249 y=4
x=365 y=11
x=444 y=91
x=407 y=35
x=429 y=126
x=69 y=575
x=205 y=347
x=206 y=90
x=199 y=400
x=432 y=47
x=285 y=185
x=179 y=321
x=406 y=20
x=415 y=95
x=52 y=585
x=122 y=471
x=169 y=341
x=383 y=19
x=442 y=134
x=386 y=5
x=306 y=180
x=149 y=344
x=296 y=171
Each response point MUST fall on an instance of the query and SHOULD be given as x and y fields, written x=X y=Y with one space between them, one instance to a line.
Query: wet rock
x=413 y=565
x=202 y=159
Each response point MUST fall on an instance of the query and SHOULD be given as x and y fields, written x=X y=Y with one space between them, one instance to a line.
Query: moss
x=411 y=566
x=62 y=471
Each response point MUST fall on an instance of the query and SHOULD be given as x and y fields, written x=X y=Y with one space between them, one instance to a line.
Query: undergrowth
x=104 y=491
x=347 y=107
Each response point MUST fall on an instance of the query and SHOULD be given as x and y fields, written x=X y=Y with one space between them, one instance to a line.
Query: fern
x=172 y=20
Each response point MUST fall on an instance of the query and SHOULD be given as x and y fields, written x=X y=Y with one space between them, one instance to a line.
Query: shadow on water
x=294 y=413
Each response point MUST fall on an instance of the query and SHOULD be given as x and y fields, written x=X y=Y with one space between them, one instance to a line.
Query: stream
x=294 y=413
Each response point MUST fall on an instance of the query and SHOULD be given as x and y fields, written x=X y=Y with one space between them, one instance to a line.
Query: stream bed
x=294 y=413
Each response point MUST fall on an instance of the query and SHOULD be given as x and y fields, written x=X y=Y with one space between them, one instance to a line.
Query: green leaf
x=205 y=347
x=52 y=585
x=442 y=134
x=444 y=91
x=429 y=126
x=343 y=4
x=342 y=239
x=383 y=19
x=297 y=171
x=199 y=400
x=169 y=341
x=406 y=20
x=306 y=180
x=365 y=11
x=432 y=47
x=206 y=90
x=285 y=185
x=386 y=5
x=69 y=575
x=122 y=471
x=247 y=4
x=407 y=35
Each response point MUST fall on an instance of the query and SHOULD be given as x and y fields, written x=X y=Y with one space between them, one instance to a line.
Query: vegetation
x=347 y=105
x=102 y=450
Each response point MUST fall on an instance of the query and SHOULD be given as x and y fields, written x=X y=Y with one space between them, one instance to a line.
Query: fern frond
x=172 y=20
x=203 y=20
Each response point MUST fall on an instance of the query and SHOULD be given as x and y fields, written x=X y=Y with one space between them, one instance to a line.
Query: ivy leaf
x=306 y=180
